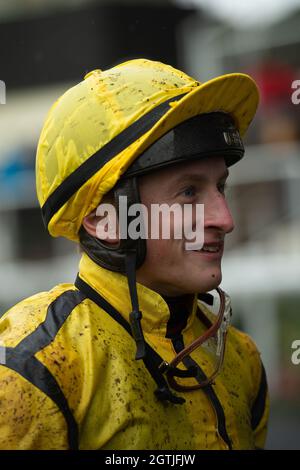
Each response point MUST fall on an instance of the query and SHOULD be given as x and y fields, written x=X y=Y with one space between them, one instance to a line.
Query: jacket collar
x=114 y=288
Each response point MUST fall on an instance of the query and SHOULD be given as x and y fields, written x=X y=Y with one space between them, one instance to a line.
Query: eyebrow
x=194 y=177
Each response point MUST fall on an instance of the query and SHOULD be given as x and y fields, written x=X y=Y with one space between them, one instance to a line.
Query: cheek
x=161 y=252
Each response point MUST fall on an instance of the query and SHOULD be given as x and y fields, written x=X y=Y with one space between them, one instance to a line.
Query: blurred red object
x=274 y=80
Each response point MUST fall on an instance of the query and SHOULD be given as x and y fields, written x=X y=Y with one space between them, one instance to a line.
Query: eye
x=190 y=191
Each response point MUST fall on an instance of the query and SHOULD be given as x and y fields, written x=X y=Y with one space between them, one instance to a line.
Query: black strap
x=85 y=288
x=21 y=358
x=259 y=404
x=136 y=315
x=85 y=171
x=207 y=298
x=178 y=344
x=203 y=318
x=152 y=360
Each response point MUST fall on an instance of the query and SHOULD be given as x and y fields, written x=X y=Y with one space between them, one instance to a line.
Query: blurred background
x=48 y=45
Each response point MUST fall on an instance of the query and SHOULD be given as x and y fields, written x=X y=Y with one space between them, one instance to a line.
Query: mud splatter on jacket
x=70 y=379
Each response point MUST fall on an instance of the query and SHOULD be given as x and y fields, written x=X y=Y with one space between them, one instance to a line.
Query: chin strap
x=171 y=368
x=136 y=315
x=151 y=358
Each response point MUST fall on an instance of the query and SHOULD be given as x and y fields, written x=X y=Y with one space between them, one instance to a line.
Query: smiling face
x=169 y=268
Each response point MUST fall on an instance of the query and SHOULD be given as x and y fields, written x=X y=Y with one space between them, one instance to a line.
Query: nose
x=217 y=214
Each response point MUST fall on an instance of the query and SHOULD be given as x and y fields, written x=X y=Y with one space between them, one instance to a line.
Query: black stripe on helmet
x=85 y=171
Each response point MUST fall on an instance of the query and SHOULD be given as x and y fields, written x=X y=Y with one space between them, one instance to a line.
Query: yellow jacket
x=70 y=379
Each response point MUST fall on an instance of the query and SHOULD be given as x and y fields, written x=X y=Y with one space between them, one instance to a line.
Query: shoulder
x=30 y=395
x=244 y=343
x=25 y=317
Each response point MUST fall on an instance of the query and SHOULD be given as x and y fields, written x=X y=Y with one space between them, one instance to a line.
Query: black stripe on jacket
x=259 y=404
x=21 y=358
x=178 y=344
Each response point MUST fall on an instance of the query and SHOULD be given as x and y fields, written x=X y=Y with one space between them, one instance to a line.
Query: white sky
x=246 y=12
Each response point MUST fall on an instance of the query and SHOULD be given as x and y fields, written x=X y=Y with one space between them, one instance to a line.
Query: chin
x=208 y=283
x=199 y=286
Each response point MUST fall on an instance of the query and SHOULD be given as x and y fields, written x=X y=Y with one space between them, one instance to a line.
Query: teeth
x=210 y=249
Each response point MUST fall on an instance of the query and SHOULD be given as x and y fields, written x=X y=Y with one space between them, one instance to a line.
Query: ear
x=91 y=224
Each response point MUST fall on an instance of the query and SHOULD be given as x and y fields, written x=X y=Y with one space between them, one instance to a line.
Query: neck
x=180 y=308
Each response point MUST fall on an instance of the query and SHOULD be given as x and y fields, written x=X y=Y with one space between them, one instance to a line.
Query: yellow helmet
x=98 y=128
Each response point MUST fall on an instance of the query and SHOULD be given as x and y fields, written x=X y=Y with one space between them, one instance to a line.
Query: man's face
x=169 y=268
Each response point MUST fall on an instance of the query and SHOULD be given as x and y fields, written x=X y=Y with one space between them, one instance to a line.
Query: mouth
x=213 y=250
